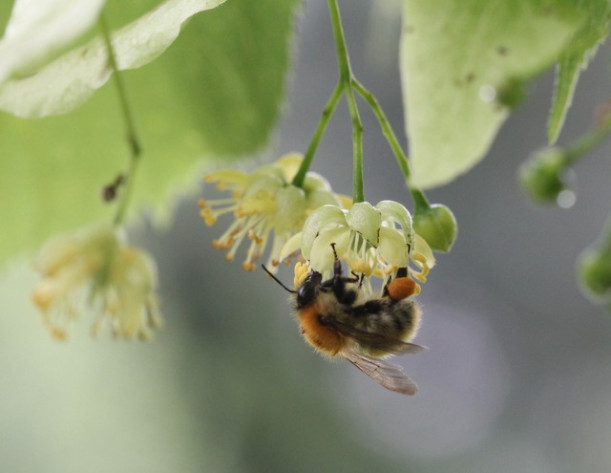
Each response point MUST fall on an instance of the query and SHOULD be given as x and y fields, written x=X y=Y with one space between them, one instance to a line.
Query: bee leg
x=359 y=279
x=385 y=290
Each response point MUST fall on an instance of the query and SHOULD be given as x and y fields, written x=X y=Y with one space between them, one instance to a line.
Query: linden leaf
x=199 y=102
x=40 y=30
x=463 y=64
x=582 y=47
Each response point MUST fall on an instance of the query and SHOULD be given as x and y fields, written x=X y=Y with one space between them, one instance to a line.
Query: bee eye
x=309 y=289
x=305 y=294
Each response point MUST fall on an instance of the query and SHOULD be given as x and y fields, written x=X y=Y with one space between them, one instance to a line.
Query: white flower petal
x=325 y=216
x=314 y=181
x=393 y=247
x=321 y=255
x=366 y=220
x=318 y=198
x=289 y=163
x=423 y=248
x=290 y=209
x=291 y=246
x=264 y=182
x=394 y=212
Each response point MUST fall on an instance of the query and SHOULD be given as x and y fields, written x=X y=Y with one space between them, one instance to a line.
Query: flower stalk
x=327 y=113
x=344 y=85
x=132 y=137
x=345 y=78
x=387 y=131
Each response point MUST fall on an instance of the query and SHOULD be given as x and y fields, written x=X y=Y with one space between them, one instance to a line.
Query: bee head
x=307 y=292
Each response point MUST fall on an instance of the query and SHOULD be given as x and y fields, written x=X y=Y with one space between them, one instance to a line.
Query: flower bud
x=594 y=269
x=542 y=174
x=437 y=225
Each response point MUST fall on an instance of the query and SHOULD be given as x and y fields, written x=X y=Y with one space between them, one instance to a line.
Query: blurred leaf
x=463 y=62
x=69 y=81
x=215 y=92
x=575 y=59
x=39 y=30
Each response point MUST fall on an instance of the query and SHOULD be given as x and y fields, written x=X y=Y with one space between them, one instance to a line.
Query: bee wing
x=387 y=374
x=374 y=340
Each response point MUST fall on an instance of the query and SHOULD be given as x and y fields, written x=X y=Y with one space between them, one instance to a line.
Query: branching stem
x=348 y=84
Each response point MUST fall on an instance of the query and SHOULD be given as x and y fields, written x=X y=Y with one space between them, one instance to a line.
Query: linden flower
x=374 y=241
x=264 y=202
x=95 y=267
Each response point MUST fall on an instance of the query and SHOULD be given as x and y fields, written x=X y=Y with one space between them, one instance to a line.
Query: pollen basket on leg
x=401 y=288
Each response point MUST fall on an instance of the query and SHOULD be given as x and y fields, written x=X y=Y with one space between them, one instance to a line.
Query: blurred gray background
x=517 y=378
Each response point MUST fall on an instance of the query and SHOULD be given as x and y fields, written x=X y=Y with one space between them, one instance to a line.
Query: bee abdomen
x=395 y=319
x=322 y=337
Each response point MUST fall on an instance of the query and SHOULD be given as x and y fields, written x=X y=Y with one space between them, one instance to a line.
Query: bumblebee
x=337 y=320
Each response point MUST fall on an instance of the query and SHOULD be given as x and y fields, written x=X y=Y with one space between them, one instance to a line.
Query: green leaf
x=463 y=63
x=69 y=81
x=582 y=47
x=38 y=31
x=214 y=94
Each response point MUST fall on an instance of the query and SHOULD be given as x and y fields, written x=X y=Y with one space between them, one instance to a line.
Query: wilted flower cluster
x=265 y=206
x=373 y=240
x=95 y=267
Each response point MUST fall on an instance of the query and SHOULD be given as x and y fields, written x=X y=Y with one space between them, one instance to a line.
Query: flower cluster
x=266 y=206
x=375 y=241
x=95 y=267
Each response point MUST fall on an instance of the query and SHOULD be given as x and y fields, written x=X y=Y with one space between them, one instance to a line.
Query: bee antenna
x=334 y=251
x=278 y=280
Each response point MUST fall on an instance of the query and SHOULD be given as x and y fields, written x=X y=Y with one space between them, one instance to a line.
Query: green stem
x=588 y=142
x=421 y=203
x=605 y=245
x=400 y=156
x=132 y=138
x=345 y=78
x=358 y=194
x=327 y=113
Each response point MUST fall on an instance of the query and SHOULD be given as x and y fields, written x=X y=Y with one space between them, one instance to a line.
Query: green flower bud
x=542 y=175
x=594 y=269
x=437 y=225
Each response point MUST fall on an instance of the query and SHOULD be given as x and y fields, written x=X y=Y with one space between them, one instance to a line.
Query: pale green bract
x=199 y=103
x=40 y=30
x=460 y=60
x=70 y=80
